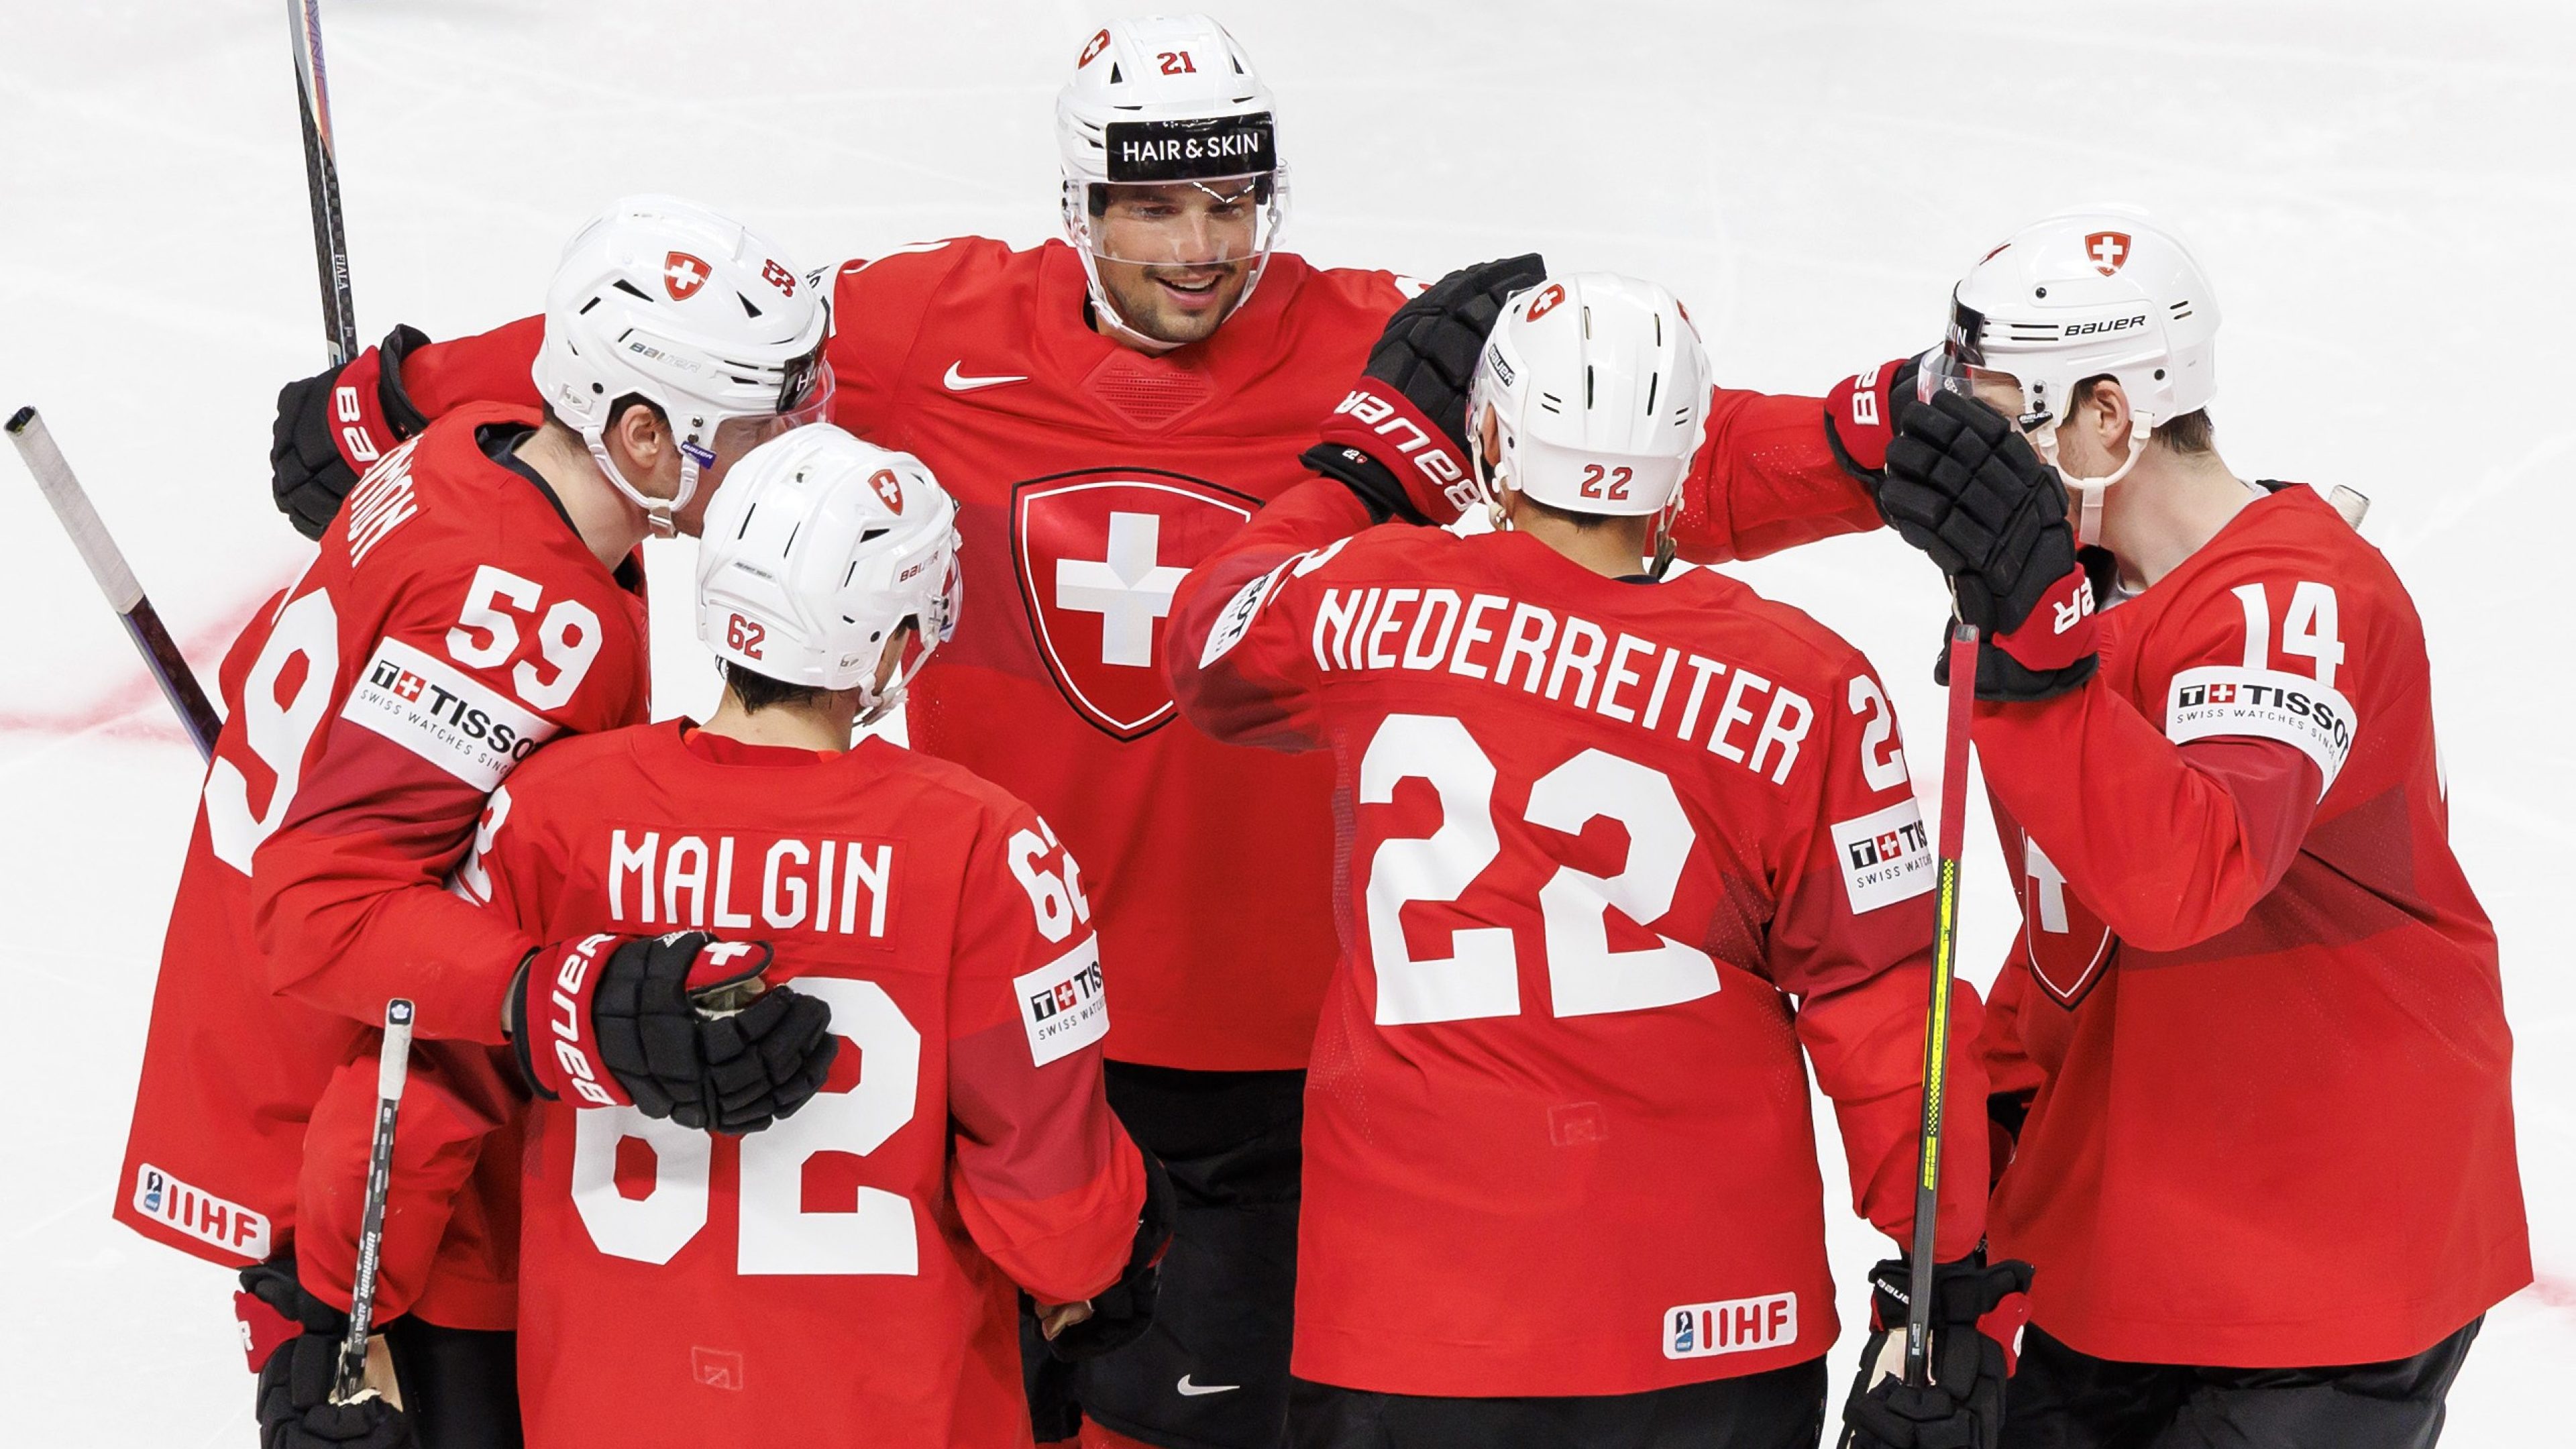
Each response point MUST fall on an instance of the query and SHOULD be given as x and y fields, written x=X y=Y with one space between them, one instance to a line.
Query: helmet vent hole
x=1587 y=387
x=1659 y=336
x=873 y=534
x=1587 y=324
x=1653 y=380
x=586 y=306
x=1114 y=77
x=631 y=289
x=746 y=521
x=790 y=545
x=748 y=310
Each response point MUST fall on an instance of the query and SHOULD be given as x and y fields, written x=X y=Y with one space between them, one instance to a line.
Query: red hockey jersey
x=452 y=622
x=1090 y=478
x=2260 y=1004
x=1612 y=853
x=848 y=1276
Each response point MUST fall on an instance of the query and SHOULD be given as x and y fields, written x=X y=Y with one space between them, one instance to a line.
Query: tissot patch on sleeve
x=1061 y=1003
x=2221 y=700
x=1240 y=611
x=1886 y=856
x=443 y=715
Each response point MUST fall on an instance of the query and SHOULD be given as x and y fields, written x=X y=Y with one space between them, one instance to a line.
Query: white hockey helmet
x=663 y=299
x=818 y=547
x=1599 y=387
x=2098 y=291
x=1156 y=100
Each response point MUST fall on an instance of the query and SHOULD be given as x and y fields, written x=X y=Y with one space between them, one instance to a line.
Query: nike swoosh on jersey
x=1192 y=1391
x=959 y=382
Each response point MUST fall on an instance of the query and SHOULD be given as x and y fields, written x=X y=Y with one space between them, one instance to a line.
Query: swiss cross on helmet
x=1162 y=101
x=665 y=300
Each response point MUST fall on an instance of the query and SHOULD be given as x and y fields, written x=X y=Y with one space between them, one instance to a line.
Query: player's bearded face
x=1175 y=258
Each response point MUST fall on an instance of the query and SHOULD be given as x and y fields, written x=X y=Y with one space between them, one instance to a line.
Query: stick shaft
x=1936 y=1025
x=35 y=444
x=392 y=1065
x=322 y=180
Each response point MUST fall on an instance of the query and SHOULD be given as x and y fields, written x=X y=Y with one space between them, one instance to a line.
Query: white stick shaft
x=71 y=504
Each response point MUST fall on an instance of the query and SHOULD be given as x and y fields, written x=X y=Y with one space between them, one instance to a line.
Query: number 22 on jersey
x=1481 y=976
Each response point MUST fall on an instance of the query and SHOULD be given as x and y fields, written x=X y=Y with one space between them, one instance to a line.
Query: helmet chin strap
x=659 y=513
x=2089 y=491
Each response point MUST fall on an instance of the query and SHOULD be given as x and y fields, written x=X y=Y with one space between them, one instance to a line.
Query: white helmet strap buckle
x=659 y=513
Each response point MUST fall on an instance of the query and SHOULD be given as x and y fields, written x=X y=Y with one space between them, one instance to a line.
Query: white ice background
x=2382 y=190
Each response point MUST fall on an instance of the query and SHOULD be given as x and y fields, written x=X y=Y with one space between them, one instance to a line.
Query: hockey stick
x=393 y=1060
x=107 y=565
x=322 y=179
x=1936 y=1031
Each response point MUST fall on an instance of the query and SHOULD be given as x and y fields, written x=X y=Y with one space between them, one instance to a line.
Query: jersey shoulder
x=948 y=791
x=440 y=502
x=901 y=287
x=2291 y=541
x=1783 y=640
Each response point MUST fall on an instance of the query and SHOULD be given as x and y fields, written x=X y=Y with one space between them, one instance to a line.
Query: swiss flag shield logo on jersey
x=2067 y=945
x=1098 y=555
x=2109 y=250
x=683 y=275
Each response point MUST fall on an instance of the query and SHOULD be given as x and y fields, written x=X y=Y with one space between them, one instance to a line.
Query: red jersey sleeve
x=1852 y=938
x=2171 y=833
x=1046 y=1180
x=475 y=663
x=1765 y=478
x=1237 y=654
x=440 y=377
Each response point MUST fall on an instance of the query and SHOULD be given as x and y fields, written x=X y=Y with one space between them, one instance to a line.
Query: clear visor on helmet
x=1216 y=221
x=1960 y=365
x=805 y=396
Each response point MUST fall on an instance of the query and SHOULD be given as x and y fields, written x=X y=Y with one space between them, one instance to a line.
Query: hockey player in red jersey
x=1108 y=410
x=848 y=1277
x=2267 y=1170
x=475 y=598
x=1618 y=846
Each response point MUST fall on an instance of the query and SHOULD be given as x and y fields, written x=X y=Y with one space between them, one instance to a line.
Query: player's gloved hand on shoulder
x=333 y=426
x=1121 y=1312
x=681 y=1026
x=1861 y=414
x=1978 y=1309
x=294 y=1339
x=1963 y=485
x=1399 y=439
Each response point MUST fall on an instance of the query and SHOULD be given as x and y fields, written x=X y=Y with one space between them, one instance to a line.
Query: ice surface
x=2382 y=191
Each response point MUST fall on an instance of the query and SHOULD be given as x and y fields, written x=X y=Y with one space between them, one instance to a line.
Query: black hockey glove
x=1978 y=1310
x=1122 y=1312
x=1963 y=485
x=294 y=1405
x=333 y=426
x=682 y=1026
x=1399 y=440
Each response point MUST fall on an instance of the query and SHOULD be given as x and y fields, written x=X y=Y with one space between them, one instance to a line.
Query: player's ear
x=639 y=440
x=2111 y=420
